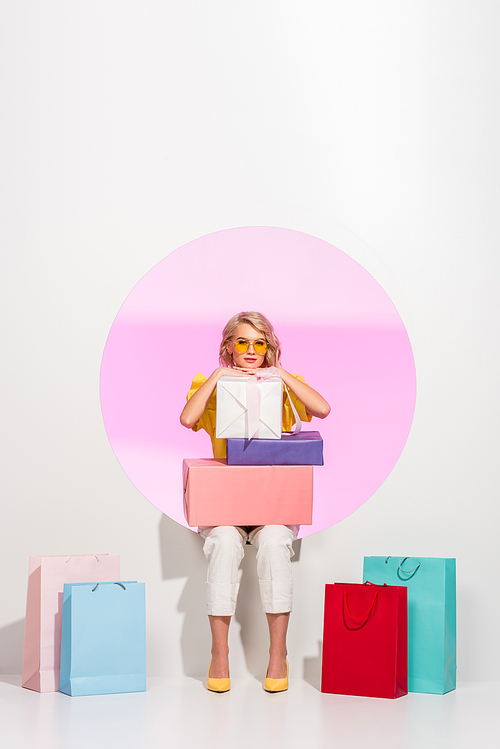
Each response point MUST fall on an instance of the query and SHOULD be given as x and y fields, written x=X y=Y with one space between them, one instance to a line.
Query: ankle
x=278 y=652
x=220 y=653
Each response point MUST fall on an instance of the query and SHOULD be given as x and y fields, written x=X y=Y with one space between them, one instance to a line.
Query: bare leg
x=219 y=626
x=278 y=625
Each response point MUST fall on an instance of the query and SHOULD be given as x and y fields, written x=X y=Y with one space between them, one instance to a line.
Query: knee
x=223 y=541
x=276 y=540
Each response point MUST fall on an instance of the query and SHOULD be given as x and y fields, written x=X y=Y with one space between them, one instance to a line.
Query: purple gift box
x=304 y=448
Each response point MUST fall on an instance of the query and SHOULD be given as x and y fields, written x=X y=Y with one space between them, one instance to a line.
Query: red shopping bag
x=365 y=650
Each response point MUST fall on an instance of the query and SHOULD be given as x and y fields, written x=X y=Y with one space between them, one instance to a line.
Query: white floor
x=181 y=713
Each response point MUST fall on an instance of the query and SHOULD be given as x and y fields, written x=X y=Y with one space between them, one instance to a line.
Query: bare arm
x=196 y=405
x=315 y=404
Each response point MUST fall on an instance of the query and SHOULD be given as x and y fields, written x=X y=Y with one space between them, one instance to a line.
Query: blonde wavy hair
x=260 y=323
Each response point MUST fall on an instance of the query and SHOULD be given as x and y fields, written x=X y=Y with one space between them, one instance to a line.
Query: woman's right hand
x=228 y=372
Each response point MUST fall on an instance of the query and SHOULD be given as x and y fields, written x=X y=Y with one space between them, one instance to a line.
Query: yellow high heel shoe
x=276 y=685
x=217 y=685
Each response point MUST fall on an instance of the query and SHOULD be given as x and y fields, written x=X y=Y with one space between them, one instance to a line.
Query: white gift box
x=232 y=412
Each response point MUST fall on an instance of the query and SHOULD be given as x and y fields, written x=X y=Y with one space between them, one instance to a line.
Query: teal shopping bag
x=431 y=584
x=103 y=639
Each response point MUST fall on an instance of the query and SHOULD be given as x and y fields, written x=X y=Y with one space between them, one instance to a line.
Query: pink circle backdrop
x=337 y=327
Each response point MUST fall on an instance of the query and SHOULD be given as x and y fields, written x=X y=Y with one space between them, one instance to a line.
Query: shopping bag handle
x=405 y=572
x=120 y=584
x=367 y=613
x=408 y=572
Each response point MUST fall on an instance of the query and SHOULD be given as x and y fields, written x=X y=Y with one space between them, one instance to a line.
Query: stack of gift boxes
x=267 y=478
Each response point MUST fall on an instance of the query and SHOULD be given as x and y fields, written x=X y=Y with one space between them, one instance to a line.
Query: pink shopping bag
x=42 y=633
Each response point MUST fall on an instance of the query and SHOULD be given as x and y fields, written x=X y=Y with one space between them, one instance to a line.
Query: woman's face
x=250 y=359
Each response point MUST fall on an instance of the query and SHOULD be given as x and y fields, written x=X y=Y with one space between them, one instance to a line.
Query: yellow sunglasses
x=242 y=345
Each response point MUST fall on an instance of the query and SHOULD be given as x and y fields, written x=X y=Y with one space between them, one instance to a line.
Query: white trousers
x=224 y=549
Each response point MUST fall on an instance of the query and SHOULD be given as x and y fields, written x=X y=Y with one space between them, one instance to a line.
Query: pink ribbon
x=253 y=401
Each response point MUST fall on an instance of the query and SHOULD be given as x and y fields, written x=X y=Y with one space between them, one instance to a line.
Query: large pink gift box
x=218 y=494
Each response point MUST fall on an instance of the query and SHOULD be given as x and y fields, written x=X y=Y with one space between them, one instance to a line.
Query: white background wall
x=130 y=128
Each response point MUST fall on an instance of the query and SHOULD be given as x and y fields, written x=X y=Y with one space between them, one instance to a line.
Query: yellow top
x=207 y=420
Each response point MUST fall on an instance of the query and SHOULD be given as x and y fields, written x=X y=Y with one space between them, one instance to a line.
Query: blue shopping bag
x=103 y=639
x=432 y=637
